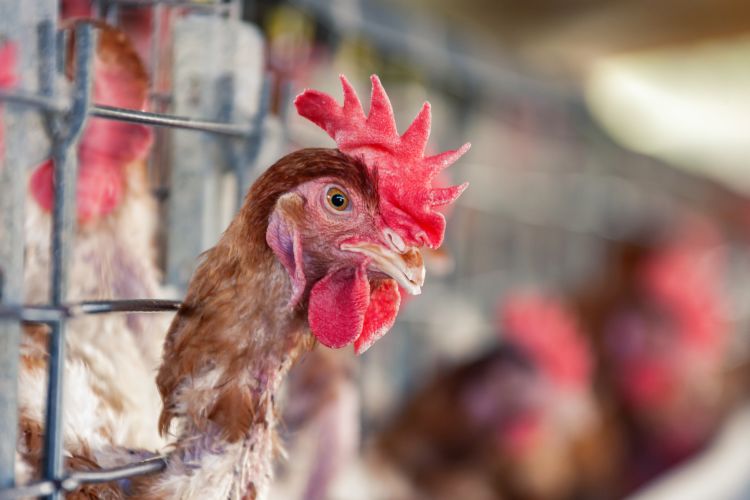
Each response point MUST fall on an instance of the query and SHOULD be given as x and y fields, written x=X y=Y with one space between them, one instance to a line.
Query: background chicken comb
x=547 y=332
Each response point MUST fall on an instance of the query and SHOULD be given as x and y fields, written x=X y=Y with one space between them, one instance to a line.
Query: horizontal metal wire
x=32 y=99
x=162 y=120
x=130 y=115
x=49 y=314
x=206 y=4
x=75 y=479
x=112 y=306
x=32 y=314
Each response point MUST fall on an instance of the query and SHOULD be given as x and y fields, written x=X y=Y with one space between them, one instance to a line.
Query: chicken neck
x=225 y=356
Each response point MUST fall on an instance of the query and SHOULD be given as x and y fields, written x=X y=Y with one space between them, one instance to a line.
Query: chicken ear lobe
x=337 y=307
x=284 y=239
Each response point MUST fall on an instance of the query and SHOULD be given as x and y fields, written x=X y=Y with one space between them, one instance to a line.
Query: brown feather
x=240 y=286
x=234 y=412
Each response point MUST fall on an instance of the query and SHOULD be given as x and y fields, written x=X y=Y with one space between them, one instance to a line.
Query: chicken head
x=349 y=243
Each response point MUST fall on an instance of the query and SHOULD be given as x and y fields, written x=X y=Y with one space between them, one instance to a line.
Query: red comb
x=408 y=199
x=8 y=77
x=549 y=333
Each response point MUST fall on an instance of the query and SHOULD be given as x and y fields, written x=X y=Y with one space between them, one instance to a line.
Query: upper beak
x=406 y=267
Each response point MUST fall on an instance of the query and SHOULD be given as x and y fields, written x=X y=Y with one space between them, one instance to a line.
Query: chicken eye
x=337 y=199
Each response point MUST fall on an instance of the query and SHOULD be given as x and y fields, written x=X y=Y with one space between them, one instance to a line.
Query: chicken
x=512 y=423
x=113 y=357
x=136 y=21
x=316 y=253
x=325 y=236
x=665 y=344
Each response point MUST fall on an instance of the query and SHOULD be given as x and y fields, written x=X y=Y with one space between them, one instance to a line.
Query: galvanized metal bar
x=196 y=4
x=48 y=59
x=52 y=464
x=156 y=24
x=125 y=306
x=245 y=168
x=161 y=120
x=12 y=216
x=63 y=227
x=34 y=314
x=38 y=101
x=110 y=112
x=50 y=314
x=75 y=479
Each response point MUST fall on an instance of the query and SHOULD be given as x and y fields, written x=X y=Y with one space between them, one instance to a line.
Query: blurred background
x=584 y=331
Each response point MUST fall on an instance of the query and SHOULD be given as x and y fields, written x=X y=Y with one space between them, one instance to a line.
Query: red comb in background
x=685 y=277
x=106 y=146
x=408 y=199
x=8 y=77
x=547 y=332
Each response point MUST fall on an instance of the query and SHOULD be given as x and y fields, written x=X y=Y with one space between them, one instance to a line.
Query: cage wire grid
x=64 y=123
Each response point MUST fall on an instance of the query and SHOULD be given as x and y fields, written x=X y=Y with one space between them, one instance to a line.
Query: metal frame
x=64 y=124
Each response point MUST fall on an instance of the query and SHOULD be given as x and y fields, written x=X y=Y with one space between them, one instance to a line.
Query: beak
x=406 y=267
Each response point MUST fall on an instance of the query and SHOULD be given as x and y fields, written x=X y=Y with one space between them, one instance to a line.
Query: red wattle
x=337 y=307
x=385 y=300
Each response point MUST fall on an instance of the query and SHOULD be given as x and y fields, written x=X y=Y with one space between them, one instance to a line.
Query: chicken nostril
x=394 y=240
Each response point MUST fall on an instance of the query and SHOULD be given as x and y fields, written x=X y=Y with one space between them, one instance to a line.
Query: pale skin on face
x=351 y=234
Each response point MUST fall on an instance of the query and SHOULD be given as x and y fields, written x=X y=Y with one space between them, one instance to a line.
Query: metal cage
x=33 y=25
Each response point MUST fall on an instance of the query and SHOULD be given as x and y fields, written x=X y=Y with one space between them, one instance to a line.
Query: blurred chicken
x=321 y=425
x=664 y=349
x=137 y=22
x=113 y=257
x=514 y=423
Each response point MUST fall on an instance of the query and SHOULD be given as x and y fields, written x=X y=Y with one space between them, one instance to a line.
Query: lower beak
x=406 y=268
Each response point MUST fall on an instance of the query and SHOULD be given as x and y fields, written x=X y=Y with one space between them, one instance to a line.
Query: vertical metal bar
x=11 y=260
x=48 y=61
x=252 y=147
x=113 y=14
x=157 y=12
x=63 y=226
x=12 y=189
x=97 y=10
x=155 y=91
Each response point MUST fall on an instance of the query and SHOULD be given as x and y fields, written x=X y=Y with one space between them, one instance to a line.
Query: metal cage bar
x=64 y=125
x=65 y=162
x=11 y=280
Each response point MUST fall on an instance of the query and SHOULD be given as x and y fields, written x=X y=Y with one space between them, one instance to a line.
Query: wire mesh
x=64 y=122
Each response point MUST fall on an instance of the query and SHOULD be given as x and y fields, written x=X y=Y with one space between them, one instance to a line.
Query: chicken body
x=665 y=347
x=114 y=259
x=512 y=423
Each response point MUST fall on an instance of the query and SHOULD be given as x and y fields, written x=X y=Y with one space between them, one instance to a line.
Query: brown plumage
x=235 y=327
x=204 y=332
